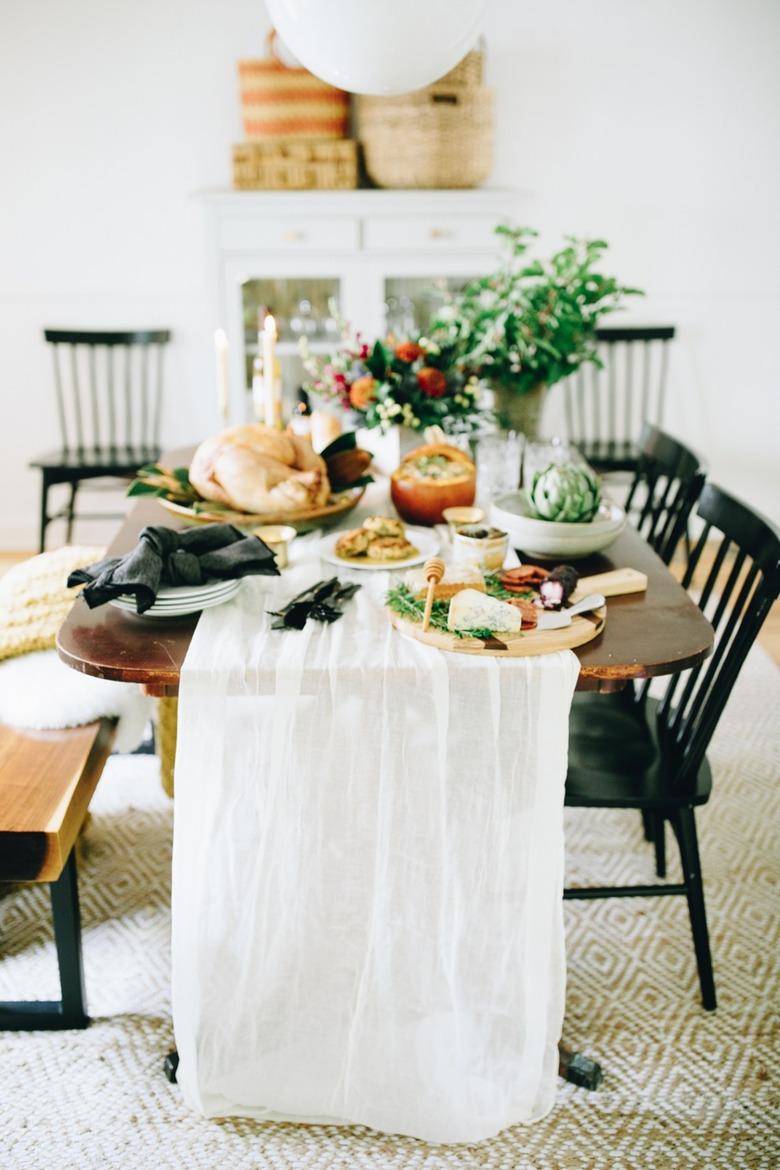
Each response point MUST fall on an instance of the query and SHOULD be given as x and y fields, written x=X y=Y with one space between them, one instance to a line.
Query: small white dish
x=425 y=540
x=551 y=538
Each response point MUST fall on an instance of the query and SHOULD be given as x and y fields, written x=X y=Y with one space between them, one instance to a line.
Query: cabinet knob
x=294 y=236
x=441 y=233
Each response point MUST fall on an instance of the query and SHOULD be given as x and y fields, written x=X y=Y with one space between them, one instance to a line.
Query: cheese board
x=584 y=628
x=465 y=605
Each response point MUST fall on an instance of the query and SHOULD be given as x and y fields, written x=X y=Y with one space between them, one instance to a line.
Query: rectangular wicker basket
x=296 y=165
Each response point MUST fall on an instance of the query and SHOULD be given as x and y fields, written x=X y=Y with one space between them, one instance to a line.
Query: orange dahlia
x=408 y=351
x=432 y=382
x=362 y=392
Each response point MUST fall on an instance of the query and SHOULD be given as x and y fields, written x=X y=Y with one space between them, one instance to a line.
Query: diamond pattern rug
x=683 y=1089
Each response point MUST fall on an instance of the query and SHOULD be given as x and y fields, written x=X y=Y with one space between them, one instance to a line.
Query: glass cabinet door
x=411 y=302
x=304 y=307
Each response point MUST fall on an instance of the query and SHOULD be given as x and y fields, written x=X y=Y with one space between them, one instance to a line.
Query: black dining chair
x=109 y=388
x=668 y=481
x=651 y=755
x=606 y=406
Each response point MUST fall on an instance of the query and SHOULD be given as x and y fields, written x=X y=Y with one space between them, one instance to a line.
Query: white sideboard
x=373 y=252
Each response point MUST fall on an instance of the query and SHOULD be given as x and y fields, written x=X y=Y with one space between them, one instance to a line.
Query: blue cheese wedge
x=471 y=610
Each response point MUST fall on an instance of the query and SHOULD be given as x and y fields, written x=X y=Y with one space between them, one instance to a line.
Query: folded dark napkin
x=166 y=557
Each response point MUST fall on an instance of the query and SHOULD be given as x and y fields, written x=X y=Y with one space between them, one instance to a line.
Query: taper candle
x=269 y=371
x=223 y=375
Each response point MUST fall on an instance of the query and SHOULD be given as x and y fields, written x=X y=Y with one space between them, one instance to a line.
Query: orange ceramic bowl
x=430 y=479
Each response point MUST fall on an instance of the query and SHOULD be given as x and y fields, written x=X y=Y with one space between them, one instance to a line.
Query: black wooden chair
x=606 y=406
x=650 y=755
x=668 y=481
x=109 y=389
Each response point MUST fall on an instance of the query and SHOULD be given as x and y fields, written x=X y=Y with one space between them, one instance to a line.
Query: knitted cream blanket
x=34 y=599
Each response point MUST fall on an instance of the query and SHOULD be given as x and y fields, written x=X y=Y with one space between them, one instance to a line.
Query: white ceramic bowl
x=551 y=538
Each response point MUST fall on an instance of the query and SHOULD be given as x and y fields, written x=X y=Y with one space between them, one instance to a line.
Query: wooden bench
x=47 y=779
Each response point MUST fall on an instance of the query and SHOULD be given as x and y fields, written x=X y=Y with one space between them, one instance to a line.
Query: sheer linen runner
x=367 y=872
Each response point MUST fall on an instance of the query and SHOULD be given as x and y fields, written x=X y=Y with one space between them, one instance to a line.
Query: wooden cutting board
x=583 y=629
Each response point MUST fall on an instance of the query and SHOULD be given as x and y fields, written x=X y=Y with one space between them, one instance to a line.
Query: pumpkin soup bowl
x=430 y=479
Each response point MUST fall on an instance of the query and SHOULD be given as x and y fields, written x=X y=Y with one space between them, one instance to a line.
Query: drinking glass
x=498 y=464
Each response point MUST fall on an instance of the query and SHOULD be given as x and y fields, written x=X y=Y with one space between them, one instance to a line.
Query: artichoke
x=565 y=492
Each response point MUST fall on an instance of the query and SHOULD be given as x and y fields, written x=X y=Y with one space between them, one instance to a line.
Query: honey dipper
x=434 y=571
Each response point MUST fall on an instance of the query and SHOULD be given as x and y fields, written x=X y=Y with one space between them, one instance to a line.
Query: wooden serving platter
x=584 y=628
x=337 y=506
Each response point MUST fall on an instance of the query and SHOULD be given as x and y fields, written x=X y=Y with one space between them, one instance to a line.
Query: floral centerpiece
x=531 y=323
x=415 y=384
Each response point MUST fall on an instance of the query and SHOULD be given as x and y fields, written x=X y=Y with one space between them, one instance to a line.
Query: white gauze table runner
x=367 y=873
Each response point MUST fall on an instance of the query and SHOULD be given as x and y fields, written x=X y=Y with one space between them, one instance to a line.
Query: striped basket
x=278 y=101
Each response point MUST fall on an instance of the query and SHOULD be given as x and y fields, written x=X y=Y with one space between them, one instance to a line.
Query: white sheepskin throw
x=39 y=691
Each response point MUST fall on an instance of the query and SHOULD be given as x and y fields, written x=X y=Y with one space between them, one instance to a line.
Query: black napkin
x=166 y=557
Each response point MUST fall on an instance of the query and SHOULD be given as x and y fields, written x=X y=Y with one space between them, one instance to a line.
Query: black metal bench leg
x=67 y=936
x=70 y=1011
x=659 y=840
x=684 y=824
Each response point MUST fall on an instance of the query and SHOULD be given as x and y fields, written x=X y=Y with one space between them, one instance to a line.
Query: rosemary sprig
x=402 y=601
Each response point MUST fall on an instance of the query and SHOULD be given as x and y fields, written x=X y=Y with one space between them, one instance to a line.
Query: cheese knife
x=562 y=618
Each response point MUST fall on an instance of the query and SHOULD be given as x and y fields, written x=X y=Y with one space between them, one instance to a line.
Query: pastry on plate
x=384 y=526
x=390 y=548
x=381 y=538
x=353 y=543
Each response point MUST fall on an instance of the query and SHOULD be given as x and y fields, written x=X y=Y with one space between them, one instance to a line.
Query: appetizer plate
x=551 y=538
x=168 y=606
x=337 y=506
x=424 y=540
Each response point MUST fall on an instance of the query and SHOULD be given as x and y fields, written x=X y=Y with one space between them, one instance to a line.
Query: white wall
x=655 y=125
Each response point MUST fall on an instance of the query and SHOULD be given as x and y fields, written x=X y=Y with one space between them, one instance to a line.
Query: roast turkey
x=254 y=468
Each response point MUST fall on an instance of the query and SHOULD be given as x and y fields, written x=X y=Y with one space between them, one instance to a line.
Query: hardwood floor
x=769 y=637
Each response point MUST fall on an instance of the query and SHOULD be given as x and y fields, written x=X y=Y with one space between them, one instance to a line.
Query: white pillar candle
x=272 y=415
x=223 y=374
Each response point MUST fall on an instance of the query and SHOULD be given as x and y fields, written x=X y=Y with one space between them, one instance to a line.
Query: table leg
x=578 y=1069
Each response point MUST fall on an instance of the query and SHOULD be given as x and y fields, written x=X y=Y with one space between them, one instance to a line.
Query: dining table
x=648 y=634
x=657 y=632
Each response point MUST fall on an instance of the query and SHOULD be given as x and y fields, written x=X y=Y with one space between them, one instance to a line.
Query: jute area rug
x=683 y=1089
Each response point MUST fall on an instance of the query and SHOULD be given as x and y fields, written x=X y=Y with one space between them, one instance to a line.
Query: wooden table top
x=647 y=634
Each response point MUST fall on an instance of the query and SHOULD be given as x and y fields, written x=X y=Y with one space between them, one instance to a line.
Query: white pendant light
x=378 y=46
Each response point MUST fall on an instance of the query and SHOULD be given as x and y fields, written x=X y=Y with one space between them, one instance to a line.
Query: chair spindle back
x=109 y=388
x=667 y=483
x=606 y=406
x=748 y=556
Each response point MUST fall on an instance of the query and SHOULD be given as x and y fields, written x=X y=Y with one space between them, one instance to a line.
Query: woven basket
x=279 y=102
x=436 y=137
x=469 y=71
x=296 y=165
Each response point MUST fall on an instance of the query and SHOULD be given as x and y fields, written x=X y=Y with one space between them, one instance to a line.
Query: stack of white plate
x=178 y=600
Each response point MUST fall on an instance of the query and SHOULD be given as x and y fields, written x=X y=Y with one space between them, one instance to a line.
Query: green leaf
x=140 y=487
x=183 y=475
x=344 y=442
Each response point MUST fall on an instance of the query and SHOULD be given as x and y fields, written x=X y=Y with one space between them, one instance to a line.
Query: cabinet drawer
x=296 y=234
x=429 y=233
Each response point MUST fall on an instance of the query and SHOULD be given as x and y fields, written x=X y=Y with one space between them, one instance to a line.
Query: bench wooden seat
x=47 y=779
